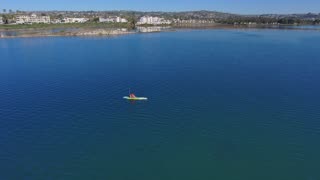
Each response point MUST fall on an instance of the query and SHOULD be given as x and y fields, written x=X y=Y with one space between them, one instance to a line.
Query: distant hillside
x=300 y=16
x=219 y=17
x=185 y=15
x=202 y=14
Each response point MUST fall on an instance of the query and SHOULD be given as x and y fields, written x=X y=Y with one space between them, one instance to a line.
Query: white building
x=55 y=21
x=106 y=20
x=153 y=20
x=121 y=20
x=1 y=20
x=113 y=19
x=192 y=21
x=23 y=19
x=75 y=20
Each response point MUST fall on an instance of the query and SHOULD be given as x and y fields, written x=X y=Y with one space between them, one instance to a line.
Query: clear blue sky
x=233 y=6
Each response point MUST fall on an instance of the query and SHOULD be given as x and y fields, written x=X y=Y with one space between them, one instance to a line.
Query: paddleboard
x=135 y=98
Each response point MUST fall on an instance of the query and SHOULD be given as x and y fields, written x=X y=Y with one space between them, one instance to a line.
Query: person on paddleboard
x=132 y=95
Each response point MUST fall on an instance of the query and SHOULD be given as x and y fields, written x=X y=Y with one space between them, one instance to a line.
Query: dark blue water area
x=223 y=104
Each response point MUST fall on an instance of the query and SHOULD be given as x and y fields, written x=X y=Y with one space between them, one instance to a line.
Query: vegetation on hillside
x=133 y=17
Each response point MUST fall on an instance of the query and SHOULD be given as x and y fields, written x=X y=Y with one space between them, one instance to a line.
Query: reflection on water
x=315 y=27
x=152 y=28
x=26 y=32
x=61 y=32
x=8 y=33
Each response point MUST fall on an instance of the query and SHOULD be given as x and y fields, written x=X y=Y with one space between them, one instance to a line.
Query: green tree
x=96 y=20
x=60 y=16
x=5 y=19
x=131 y=22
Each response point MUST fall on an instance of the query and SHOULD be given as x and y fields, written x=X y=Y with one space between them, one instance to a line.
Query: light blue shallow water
x=223 y=104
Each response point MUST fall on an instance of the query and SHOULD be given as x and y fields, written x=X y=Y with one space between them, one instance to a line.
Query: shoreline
x=106 y=32
x=62 y=33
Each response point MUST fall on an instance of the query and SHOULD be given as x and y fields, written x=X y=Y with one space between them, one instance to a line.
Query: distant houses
x=192 y=21
x=105 y=20
x=37 y=19
x=74 y=20
x=33 y=18
x=114 y=19
x=153 y=20
x=56 y=21
x=187 y=18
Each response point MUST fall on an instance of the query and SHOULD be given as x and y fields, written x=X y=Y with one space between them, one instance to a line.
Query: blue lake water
x=304 y=27
x=223 y=104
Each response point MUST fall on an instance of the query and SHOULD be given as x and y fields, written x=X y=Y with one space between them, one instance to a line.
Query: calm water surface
x=223 y=104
